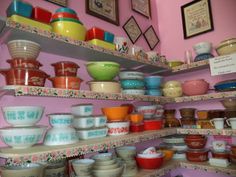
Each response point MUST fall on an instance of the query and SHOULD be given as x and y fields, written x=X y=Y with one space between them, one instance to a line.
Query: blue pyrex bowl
x=154 y=92
x=132 y=84
x=153 y=82
x=228 y=85
x=203 y=56
x=19 y=8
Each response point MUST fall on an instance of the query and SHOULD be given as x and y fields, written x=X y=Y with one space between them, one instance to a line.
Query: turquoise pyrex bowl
x=66 y=9
x=153 y=82
x=154 y=92
x=132 y=84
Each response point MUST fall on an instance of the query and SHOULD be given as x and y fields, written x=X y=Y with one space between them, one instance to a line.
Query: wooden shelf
x=40 y=153
x=174 y=164
x=82 y=94
x=165 y=169
x=185 y=68
x=85 y=94
x=210 y=96
x=226 y=132
x=60 y=45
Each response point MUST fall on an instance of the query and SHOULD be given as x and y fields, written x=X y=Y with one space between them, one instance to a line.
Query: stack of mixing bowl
x=132 y=82
x=153 y=84
x=24 y=66
x=103 y=73
x=66 y=22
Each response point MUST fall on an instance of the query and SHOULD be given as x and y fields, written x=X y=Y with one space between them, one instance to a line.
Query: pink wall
x=165 y=15
x=173 y=44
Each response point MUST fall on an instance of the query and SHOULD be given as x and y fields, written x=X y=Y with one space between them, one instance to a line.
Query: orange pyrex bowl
x=66 y=82
x=115 y=114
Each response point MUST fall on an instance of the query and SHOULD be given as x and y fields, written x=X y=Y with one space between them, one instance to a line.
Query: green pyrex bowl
x=103 y=70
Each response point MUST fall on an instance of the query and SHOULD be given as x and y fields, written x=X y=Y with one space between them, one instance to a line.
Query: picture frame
x=62 y=3
x=196 y=18
x=151 y=37
x=132 y=29
x=107 y=10
x=142 y=7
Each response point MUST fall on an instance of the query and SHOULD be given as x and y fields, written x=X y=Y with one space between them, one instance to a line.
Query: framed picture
x=62 y=3
x=196 y=18
x=151 y=37
x=105 y=9
x=132 y=29
x=142 y=6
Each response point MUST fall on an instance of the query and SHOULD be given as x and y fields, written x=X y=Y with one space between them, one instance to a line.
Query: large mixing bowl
x=22 y=137
x=103 y=70
x=70 y=29
x=22 y=115
x=23 y=49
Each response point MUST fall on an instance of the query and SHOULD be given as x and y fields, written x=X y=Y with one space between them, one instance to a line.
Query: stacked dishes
x=149 y=112
x=188 y=117
x=100 y=38
x=203 y=51
x=176 y=144
x=103 y=73
x=61 y=132
x=66 y=75
x=153 y=84
x=132 y=82
x=24 y=66
x=65 y=22
x=106 y=165
x=22 y=120
x=83 y=167
x=219 y=150
x=87 y=125
x=196 y=151
x=117 y=123
x=127 y=155
x=27 y=170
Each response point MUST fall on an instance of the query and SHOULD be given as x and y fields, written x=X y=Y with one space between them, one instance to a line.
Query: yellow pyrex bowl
x=70 y=29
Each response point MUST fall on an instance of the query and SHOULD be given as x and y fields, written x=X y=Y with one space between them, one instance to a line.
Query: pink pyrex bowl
x=195 y=87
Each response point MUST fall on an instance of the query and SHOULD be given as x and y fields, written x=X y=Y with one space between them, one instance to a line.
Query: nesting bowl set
x=132 y=82
x=23 y=120
x=66 y=22
x=103 y=73
x=66 y=75
x=24 y=66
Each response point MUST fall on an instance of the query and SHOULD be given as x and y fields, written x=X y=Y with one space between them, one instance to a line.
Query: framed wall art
x=132 y=29
x=151 y=37
x=62 y=3
x=105 y=9
x=143 y=7
x=196 y=18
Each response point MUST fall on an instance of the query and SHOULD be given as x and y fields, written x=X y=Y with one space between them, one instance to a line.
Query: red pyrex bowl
x=24 y=63
x=23 y=76
x=153 y=124
x=195 y=143
x=65 y=68
x=194 y=155
x=149 y=163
